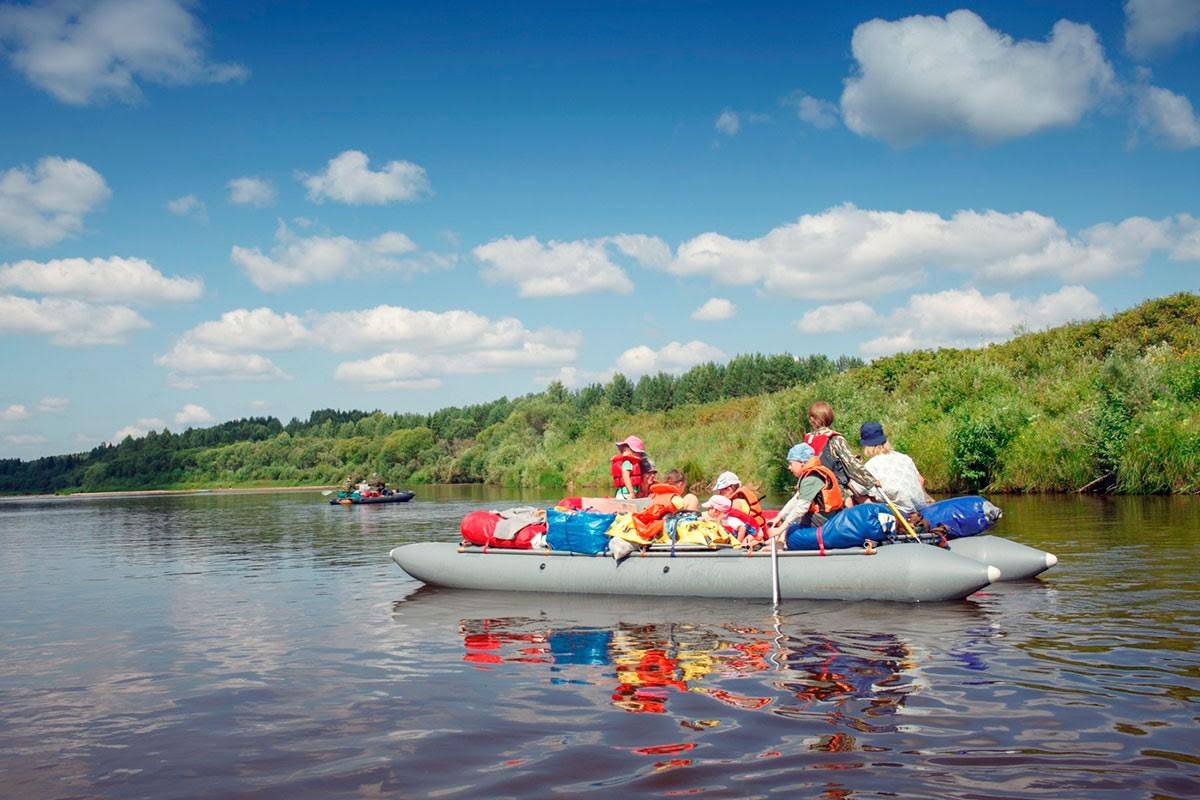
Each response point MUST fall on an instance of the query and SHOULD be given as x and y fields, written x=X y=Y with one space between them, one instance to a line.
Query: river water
x=264 y=646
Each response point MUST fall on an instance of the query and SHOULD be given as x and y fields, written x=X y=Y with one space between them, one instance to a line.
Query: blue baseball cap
x=801 y=452
x=871 y=434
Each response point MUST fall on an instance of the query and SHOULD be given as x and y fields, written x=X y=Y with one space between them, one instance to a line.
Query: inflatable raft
x=1015 y=561
x=900 y=572
x=395 y=497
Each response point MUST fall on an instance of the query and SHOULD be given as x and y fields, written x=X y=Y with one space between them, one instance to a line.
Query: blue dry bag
x=849 y=528
x=577 y=531
x=962 y=516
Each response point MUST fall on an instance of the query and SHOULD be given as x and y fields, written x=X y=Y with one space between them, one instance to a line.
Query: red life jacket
x=635 y=474
x=817 y=441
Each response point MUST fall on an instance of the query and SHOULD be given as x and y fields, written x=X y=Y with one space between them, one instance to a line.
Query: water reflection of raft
x=395 y=497
x=901 y=572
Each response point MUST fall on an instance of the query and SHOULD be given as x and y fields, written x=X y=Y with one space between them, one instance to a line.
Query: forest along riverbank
x=177 y=646
x=1113 y=402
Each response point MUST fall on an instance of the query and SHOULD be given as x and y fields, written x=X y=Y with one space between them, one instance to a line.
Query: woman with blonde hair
x=897 y=474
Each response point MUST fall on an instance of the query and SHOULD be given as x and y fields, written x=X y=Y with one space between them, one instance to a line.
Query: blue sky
x=215 y=210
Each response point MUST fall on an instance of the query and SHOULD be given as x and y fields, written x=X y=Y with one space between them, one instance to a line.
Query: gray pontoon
x=907 y=572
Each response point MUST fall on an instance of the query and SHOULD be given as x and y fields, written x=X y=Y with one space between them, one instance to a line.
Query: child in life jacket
x=628 y=468
x=746 y=504
x=717 y=509
x=818 y=494
x=835 y=454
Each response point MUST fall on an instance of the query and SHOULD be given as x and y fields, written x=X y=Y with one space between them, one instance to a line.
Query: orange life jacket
x=635 y=474
x=829 y=499
x=755 y=502
x=668 y=490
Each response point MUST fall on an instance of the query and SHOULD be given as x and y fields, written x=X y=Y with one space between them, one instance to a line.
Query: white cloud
x=922 y=76
x=188 y=205
x=24 y=439
x=246 y=329
x=348 y=179
x=1155 y=26
x=837 y=318
x=819 y=113
x=14 y=413
x=113 y=279
x=53 y=405
x=833 y=254
x=258 y=405
x=189 y=361
x=714 y=309
x=673 y=357
x=728 y=122
x=574 y=377
x=46 y=204
x=1168 y=117
x=560 y=269
x=138 y=429
x=251 y=191
x=296 y=260
x=82 y=53
x=192 y=414
x=69 y=323
x=968 y=318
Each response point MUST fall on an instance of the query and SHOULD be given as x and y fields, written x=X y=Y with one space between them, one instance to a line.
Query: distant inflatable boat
x=395 y=497
x=900 y=572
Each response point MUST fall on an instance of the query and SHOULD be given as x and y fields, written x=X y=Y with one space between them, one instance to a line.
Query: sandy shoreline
x=156 y=492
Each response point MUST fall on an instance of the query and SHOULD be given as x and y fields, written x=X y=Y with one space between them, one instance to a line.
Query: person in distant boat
x=896 y=473
x=835 y=454
x=818 y=493
x=628 y=468
x=745 y=501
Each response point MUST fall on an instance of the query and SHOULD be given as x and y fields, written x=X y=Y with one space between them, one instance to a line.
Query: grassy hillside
x=1047 y=411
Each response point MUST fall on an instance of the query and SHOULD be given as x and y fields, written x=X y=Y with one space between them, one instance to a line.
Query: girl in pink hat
x=628 y=468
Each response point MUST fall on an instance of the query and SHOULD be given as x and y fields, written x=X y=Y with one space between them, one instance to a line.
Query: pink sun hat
x=634 y=443
x=719 y=502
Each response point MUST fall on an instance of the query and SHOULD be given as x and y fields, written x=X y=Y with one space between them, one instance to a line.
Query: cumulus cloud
x=83 y=53
x=819 y=113
x=921 y=76
x=296 y=260
x=574 y=377
x=251 y=191
x=113 y=279
x=416 y=345
x=560 y=269
x=832 y=254
x=674 y=357
x=46 y=204
x=1167 y=117
x=138 y=429
x=837 y=318
x=192 y=414
x=188 y=205
x=968 y=318
x=189 y=361
x=714 y=310
x=24 y=439
x=348 y=179
x=728 y=122
x=53 y=405
x=14 y=413
x=1153 y=27
x=69 y=323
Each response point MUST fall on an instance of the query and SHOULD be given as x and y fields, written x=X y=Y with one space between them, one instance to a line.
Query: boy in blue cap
x=817 y=495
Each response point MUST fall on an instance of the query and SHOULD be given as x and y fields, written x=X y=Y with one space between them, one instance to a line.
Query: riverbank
x=158 y=492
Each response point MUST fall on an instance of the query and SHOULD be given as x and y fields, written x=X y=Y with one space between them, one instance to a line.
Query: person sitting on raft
x=818 y=494
x=628 y=468
x=717 y=509
x=896 y=473
x=746 y=503
x=673 y=490
x=835 y=453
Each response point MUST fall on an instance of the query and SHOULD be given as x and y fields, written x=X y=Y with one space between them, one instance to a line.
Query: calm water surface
x=264 y=646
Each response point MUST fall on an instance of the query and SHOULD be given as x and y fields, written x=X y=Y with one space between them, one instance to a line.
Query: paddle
x=774 y=572
x=896 y=513
x=327 y=492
